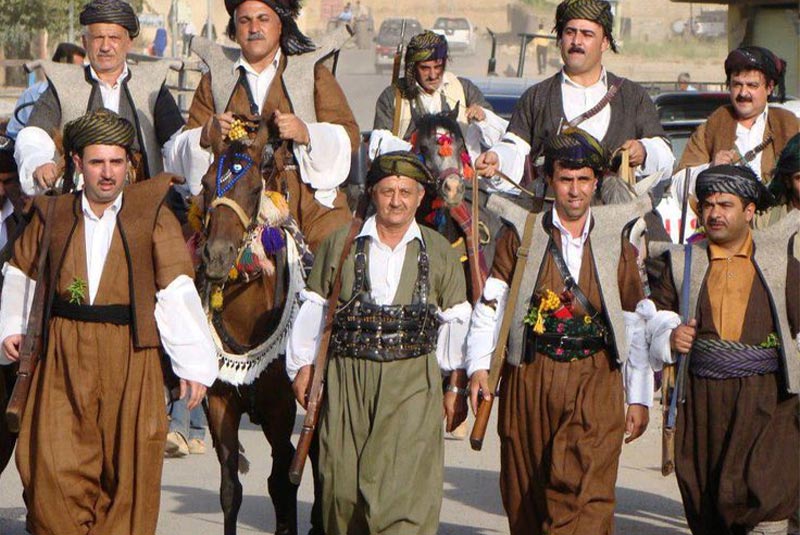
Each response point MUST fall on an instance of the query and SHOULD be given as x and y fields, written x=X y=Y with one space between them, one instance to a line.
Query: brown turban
x=111 y=12
x=100 y=127
x=399 y=163
x=598 y=11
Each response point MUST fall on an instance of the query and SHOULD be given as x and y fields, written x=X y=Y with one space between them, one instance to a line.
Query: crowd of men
x=580 y=317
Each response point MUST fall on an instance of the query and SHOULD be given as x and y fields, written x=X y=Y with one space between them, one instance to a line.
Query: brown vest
x=136 y=223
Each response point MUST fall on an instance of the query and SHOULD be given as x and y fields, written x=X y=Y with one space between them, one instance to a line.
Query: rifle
x=398 y=96
x=498 y=356
x=31 y=349
x=315 y=397
x=670 y=380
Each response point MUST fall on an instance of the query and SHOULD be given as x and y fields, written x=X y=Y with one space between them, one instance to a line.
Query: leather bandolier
x=385 y=333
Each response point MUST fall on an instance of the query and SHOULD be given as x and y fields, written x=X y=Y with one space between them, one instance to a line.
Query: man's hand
x=637 y=154
x=215 y=129
x=683 y=336
x=302 y=384
x=479 y=385
x=291 y=127
x=11 y=346
x=196 y=392
x=46 y=175
x=636 y=420
x=487 y=164
x=455 y=405
x=475 y=113
x=725 y=157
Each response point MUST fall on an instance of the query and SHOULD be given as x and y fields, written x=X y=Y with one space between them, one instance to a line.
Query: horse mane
x=428 y=124
x=615 y=190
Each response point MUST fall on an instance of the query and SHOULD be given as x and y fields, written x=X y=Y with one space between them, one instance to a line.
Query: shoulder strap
x=569 y=282
x=597 y=108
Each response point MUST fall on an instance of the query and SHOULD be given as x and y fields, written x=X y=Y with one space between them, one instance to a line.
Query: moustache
x=258 y=36
x=741 y=98
x=576 y=50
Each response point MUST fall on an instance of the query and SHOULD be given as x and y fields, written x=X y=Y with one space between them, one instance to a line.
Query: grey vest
x=144 y=85
x=299 y=71
x=771 y=260
x=606 y=238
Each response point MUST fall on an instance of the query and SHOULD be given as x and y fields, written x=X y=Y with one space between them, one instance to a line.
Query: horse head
x=440 y=143
x=232 y=191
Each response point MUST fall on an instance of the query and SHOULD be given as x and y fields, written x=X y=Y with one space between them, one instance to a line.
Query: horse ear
x=453 y=114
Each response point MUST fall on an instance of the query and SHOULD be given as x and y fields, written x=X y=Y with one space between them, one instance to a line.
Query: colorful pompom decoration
x=273 y=210
x=272 y=240
x=195 y=215
x=216 y=299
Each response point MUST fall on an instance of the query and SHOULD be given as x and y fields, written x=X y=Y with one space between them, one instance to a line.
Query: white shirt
x=5 y=213
x=572 y=247
x=259 y=82
x=110 y=93
x=385 y=268
x=98 y=233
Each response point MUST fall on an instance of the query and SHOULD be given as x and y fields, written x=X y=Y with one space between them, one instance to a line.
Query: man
x=737 y=433
x=279 y=76
x=541 y=42
x=613 y=110
x=685 y=82
x=137 y=93
x=65 y=53
x=381 y=444
x=748 y=131
x=427 y=87
x=91 y=441
x=561 y=415
x=784 y=186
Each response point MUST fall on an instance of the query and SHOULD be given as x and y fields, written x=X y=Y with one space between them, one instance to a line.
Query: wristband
x=455 y=390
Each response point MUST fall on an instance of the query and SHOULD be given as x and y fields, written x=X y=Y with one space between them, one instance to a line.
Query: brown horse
x=252 y=267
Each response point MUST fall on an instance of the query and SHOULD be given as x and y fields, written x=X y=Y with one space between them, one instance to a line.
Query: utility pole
x=71 y=34
x=207 y=30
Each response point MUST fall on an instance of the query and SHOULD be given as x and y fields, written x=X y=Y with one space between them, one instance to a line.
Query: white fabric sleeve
x=484 y=325
x=492 y=128
x=383 y=141
x=15 y=305
x=33 y=148
x=658 y=329
x=511 y=152
x=184 y=332
x=679 y=181
x=325 y=162
x=305 y=334
x=637 y=374
x=452 y=339
x=183 y=156
x=659 y=158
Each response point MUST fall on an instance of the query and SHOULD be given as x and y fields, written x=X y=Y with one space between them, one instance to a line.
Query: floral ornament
x=77 y=291
x=771 y=342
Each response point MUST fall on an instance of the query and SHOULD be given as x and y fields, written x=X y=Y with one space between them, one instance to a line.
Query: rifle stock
x=398 y=96
x=31 y=349
x=499 y=355
x=315 y=397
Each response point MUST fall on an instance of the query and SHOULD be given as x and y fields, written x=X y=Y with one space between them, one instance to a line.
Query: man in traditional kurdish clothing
x=614 y=110
x=561 y=418
x=737 y=433
x=119 y=279
x=279 y=76
x=137 y=93
x=427 y=87
x=784 y=186
x=381 y=443
x=748 y=131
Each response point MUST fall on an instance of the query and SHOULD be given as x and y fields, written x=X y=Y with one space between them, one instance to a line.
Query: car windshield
x=389 y=33
x=451 y=24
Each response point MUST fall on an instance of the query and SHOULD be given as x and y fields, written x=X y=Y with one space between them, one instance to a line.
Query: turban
x=756 y=58
x=111 y=12
x=100 y=127
x=736 y=180
x=578 y=148
x=399 y=163
x=598 y=11
x=788 y=164
x=293 y=41
x=7 y=163
x=425 y=46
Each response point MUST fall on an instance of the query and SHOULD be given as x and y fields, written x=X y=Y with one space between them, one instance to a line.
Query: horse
x=252 y=258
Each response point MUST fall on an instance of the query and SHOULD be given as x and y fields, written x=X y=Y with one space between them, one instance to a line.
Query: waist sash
x=114 y=314
x=723 y=359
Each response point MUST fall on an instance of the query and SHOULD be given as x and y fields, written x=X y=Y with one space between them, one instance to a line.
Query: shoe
x=197 y=446
x=176 y=445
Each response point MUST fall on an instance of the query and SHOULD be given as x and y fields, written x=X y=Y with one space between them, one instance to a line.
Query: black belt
x=114 y=314
x=539 y=343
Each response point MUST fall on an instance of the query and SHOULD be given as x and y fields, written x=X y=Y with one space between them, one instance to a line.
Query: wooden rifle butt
x=16 y=404
x=481 y=423
x=667 y=451
x=301 y=454
x=667 y=433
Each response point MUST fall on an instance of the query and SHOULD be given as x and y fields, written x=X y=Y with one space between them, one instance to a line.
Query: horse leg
x=276 y=405
x=224 y=414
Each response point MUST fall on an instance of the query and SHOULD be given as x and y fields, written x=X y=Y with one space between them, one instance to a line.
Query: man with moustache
x=428 y=87
x=748 y=131
x=281 y=77
x=561 y=417
x=119 y=286
x=737 y=433
x=617 y=112
x=402 y=321
x=137 y=93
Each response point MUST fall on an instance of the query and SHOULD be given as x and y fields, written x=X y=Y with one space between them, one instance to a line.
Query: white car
x=459 y=32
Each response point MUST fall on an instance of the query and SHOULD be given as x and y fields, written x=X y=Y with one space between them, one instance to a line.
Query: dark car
x=389 y=37
x=502 y=93
x=681 y=112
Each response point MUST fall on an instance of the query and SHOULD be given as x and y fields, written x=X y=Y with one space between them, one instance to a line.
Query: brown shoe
x=197 y=446
x=176 y=445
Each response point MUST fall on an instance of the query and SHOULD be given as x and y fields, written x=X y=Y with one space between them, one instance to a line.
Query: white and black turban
x=736 y=180
x=111 y=12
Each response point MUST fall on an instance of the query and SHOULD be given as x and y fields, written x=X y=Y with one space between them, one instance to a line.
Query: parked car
x=389 y=37
x=502 y=93
x=459 y=32
x=681 y=112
